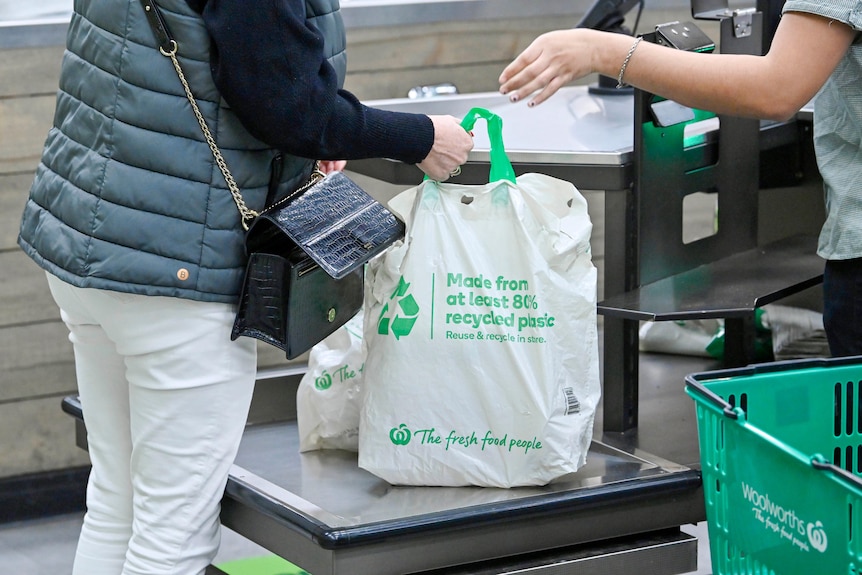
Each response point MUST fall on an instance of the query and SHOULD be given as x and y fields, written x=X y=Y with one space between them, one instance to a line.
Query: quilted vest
x=127 y=196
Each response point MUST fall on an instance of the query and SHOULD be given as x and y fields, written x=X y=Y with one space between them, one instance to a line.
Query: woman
x=815 y=51
x=143 y=244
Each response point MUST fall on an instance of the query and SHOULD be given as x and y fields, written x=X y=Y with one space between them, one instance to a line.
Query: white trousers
x=165 y=395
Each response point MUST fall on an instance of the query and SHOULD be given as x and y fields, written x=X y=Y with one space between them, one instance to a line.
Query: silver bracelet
x=620 y=83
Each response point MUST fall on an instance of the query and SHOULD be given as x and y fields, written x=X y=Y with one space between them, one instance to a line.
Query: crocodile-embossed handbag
x=305 y=272
x=304 y=277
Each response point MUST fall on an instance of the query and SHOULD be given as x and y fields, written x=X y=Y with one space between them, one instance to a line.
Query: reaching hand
x=553 y=60
x=452 y=143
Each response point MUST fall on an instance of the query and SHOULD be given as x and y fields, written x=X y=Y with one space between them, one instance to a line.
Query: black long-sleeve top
x=269 y=66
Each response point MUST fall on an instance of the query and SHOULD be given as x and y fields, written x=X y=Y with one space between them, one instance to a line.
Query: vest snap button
x=183 y=274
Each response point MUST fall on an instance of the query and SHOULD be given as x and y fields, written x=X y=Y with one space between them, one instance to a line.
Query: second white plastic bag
x=328 y=396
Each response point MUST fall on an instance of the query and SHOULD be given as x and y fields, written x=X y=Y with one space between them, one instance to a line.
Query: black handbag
x=306 y=253
x=305 y=273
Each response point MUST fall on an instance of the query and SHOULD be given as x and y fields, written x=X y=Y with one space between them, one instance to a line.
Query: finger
x=525 y=90
x=436 y=174
x=546 y=83
x=530 y=79
x=329 y=166
x=519 y=64
x=548 y=91
x=513 y=69
x=520 y=77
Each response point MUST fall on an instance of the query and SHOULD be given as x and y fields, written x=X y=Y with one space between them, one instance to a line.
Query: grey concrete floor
x=47 y=546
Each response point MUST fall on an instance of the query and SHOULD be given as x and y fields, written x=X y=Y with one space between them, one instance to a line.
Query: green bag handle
x=501 y=167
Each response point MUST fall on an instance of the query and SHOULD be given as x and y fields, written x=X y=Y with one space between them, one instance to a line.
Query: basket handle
x=700 y=389
x=692 y=380
x=819 y=462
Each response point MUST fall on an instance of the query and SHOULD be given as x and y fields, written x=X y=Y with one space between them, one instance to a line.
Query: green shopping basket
x=781 y=459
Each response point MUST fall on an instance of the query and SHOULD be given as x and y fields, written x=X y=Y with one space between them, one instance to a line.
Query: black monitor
x=608 y=15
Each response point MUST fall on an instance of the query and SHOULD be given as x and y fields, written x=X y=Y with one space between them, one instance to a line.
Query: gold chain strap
x=245 y=212
x=316 y=175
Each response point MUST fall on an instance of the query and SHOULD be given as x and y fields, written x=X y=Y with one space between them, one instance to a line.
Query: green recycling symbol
x=398 y=319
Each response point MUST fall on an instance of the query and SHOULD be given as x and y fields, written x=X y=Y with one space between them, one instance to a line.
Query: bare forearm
x=728 y=84
x=804 y=53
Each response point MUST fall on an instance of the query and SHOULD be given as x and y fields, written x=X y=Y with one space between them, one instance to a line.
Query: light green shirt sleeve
x=838 y=136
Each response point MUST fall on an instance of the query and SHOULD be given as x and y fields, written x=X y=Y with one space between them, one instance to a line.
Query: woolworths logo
x=398 y=314
x=400 y=435
x=323 y=382
x=785 y=522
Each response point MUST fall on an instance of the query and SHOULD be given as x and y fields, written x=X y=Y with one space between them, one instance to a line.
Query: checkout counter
x=619 y=514
x=622 y=512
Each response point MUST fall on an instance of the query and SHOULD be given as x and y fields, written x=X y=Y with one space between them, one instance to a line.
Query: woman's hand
x=452 y=143
x=552 y=60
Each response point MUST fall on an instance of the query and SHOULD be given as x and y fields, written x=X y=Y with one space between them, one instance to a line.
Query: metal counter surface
x=572 y=127
x=321 y=511
x=350 y=505
x=575 y=135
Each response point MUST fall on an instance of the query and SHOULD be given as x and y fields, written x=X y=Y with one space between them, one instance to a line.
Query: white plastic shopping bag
x=480 y=327
x=327 y=400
